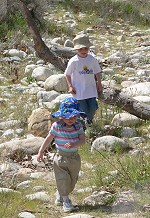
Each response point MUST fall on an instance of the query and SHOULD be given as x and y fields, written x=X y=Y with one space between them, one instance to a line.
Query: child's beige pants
x=66 y=168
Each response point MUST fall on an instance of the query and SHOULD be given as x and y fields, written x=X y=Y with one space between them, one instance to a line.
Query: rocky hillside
x=114 y=180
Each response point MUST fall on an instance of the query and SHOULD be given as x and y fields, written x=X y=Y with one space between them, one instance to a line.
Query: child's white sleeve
x=69 y=68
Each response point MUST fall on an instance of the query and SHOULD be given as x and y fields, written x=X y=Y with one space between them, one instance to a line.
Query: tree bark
x=117 y=98
x=57 y=57
x=42 y=50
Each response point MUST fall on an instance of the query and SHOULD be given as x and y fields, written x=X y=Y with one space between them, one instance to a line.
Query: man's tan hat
x=81 y=41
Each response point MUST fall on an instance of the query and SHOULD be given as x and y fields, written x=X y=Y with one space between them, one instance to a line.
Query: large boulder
x=17 y=53
x=30 y=67
x=125 y=119
x=137 y=89
x=56 y=82
x=21 y=146
x=39 y=122
x=54 y=104
x=47 y=96
x=108 y=143
x=41 y=73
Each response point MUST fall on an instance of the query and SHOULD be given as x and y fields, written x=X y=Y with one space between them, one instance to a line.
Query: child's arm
x=71 y=88
x=78 y=143
x=46 y=142
x=99 y=84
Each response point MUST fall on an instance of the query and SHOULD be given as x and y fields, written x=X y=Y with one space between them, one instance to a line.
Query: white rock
x=138 y=89
x=8 y=123
x=56 y=101
x=109 y=83
x=29 y=68
x=125 y=119
x=47 y=96
x=38 y=188
x=126 y=84
x=24 y=184
x=41 y=73
x=26 y=215
x=79 y=216
x=8 y=133
x=128 y=132
x=98 y=198
x=144 y=99
x=108 y=71
x=143 y=72
x=6 y=190
x=18 y=53
x=8 y=167
x=36 y=175
x=108 y=143
x=43 y=196
x=57 y=83
x=30 y=145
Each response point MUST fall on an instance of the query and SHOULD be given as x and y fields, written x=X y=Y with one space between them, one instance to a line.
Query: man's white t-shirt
x=82 y=71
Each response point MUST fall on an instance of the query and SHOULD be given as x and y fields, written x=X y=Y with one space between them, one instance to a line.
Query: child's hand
x=99 y=88
x=72 y=90
x=40 y=157
x=67 y=145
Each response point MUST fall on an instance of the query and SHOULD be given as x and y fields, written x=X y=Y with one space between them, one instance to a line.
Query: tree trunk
x=42 y=50
x=57 y=57
x=117 y=98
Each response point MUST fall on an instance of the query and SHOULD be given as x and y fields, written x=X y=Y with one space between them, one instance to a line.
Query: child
x=80 y=75
x=68 y=135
